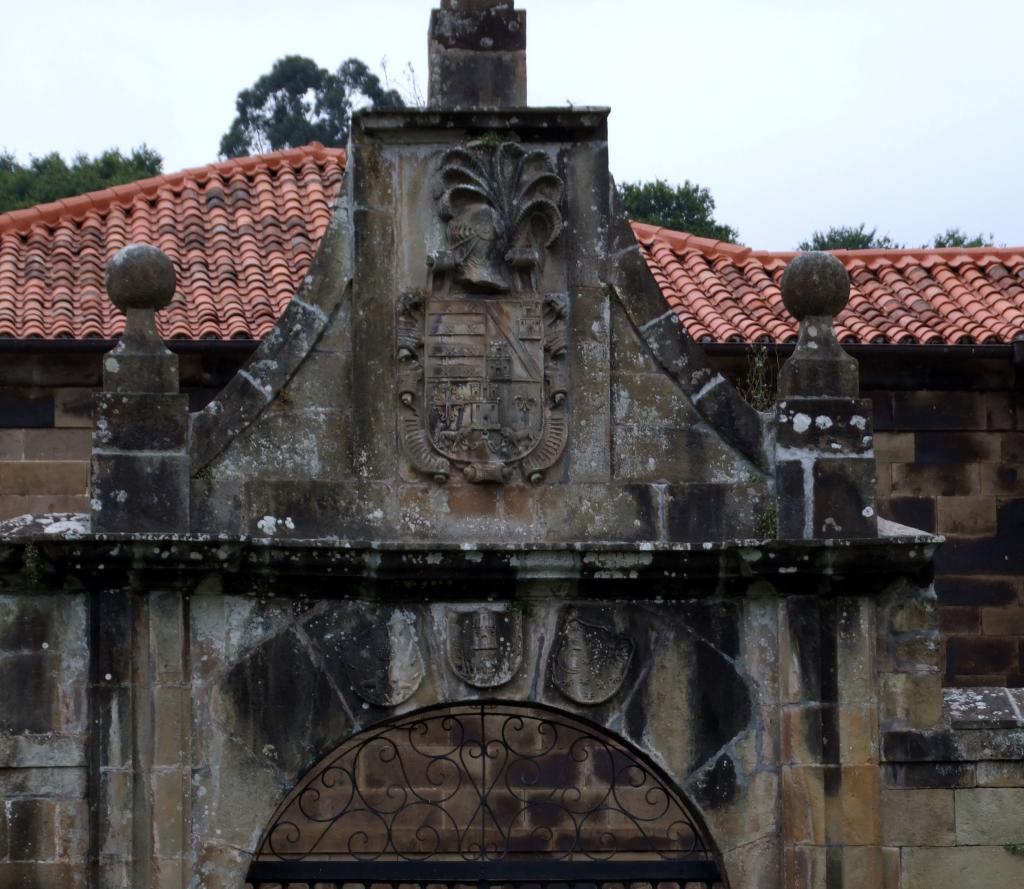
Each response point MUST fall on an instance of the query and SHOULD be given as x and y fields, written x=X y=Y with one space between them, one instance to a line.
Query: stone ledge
x=43 y=551
x=984 y=708
x=532 y=124
x=984 y=724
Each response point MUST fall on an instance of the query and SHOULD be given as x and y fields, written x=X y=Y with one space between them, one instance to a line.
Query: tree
x=685 y=208
x=50 y=177
x=299 y=102
x=846 y=237
x=955 y=237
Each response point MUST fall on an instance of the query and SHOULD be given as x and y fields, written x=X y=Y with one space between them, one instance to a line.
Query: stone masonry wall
x=803 y=720
x=950 y=456
x=949 y=447
x=44 y=675
x=950 y=459
x=46 y=403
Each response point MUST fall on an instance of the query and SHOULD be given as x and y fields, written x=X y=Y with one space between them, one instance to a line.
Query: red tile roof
x=726 y=293
x=241 y=234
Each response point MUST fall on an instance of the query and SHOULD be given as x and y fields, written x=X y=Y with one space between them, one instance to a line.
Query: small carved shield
x=382 y=661
x=589 y=661
x=485 y=647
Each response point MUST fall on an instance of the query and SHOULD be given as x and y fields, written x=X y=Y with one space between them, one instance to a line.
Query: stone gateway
x=479 y=574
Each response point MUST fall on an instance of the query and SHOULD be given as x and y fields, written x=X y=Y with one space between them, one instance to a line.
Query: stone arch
x=486 y=793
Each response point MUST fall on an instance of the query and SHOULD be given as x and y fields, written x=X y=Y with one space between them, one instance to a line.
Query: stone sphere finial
x=140 y=276
x=815 y=284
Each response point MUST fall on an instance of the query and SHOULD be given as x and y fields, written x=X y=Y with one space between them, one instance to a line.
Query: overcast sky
x=797 y=114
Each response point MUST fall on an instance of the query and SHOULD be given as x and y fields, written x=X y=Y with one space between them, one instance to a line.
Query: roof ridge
x=677 y=240
x=77 y=205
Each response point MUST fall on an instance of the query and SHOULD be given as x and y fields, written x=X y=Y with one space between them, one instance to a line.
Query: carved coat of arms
x=485 y=647
x=482 y=351
x=382 y=661
x=589 y=661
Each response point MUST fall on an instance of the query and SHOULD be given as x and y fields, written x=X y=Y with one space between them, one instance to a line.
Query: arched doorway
x=485 y=794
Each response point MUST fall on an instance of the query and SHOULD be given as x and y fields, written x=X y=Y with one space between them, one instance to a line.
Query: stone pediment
x=478 y=354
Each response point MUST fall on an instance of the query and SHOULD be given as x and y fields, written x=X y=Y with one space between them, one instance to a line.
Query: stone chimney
x=477 y=55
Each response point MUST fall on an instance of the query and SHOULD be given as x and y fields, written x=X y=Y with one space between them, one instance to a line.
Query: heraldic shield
x=484 y=363
x=589 y=661
x=382 y=660
x=485 y=647
x=482 y=351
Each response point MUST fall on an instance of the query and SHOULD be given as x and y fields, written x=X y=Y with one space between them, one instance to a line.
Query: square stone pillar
x=477 y=55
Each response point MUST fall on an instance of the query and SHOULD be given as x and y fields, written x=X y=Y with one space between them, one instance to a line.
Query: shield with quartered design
x=482 y=350
x=484 y=378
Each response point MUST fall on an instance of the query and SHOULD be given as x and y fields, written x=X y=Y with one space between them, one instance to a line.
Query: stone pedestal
x=824 y=458
x=140 y=461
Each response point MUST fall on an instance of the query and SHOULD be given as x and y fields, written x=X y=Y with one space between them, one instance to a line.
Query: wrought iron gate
x=484 y=795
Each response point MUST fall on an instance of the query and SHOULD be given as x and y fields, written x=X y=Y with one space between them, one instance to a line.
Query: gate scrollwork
x=487 y=788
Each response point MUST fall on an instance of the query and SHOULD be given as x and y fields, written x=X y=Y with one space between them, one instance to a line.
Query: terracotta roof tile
x=725 y=293
x=235 y=274
x=242 y=234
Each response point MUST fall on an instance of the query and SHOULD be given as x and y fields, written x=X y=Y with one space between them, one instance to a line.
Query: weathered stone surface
x=308 y=712
x=918 y=818
x=980 y=708
x=29 y=693
x=140 y=276
x=844 y=498
x=693 y=704
x=127 y=421
x=929 y=775
x=589 y=660
x=375 y=652
x=39 y=875
x=31 y=827
x=477 y=56
x=833 y=426
x=485 y=646
x=911 y=700
x=989 y=816
x=815 y=284
x=931 y=868
x=142 y=493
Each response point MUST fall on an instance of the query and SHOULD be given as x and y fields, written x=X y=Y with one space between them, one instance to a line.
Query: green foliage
x=955 y=237
x=32 y=566
x=847 y=237
x=50 y=177
x=759 y=382
x=683 y=208
x=766 y=525
x=299 y=102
